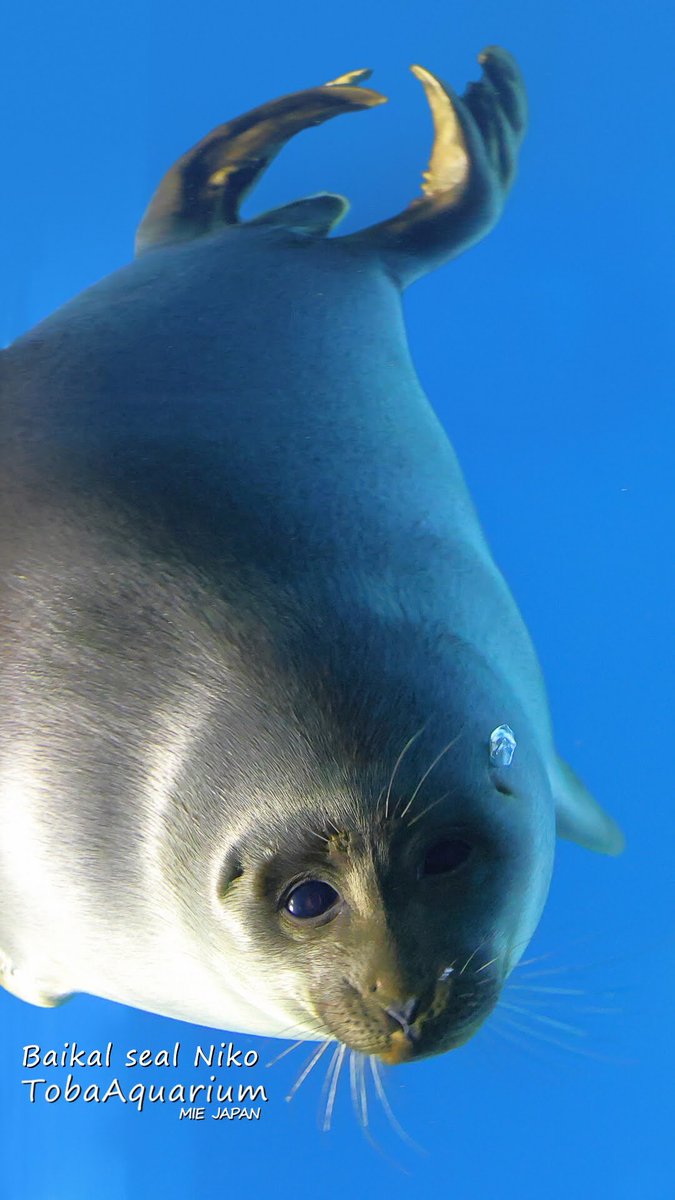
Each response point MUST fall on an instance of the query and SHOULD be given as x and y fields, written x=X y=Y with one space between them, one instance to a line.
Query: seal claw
x=351 y=78
x=448 y=168
x=472 y=165
x=203 y=191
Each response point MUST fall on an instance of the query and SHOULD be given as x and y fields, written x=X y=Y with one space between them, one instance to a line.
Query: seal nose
x=400 y=1005
x=404 y=1014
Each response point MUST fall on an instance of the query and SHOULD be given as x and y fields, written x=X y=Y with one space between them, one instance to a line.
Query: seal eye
x=445 y=856
x=313 y=898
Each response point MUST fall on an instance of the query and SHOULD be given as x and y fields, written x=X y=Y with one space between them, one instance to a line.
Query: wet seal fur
x=254 y=642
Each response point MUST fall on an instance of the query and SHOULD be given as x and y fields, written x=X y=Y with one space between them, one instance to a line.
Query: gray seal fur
x=253 y=635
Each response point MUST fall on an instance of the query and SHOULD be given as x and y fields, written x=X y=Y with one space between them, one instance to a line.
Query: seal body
x=254 y=647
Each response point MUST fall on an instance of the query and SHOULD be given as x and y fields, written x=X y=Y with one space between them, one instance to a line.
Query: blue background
x=548 y=351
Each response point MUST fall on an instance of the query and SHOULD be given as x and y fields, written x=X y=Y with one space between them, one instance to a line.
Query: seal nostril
x=404 y=1014
x=410 y=1008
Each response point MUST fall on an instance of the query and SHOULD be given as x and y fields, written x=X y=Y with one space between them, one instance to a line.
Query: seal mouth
x=401 y=1048
x=407 y=1046
x=437 y=1028
x=421 y=1026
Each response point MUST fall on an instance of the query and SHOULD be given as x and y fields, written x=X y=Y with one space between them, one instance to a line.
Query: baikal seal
x=275 y=750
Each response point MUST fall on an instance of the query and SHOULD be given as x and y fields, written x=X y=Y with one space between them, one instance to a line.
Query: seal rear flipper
x=473 y=162
x=579 y=817
x=202 y=192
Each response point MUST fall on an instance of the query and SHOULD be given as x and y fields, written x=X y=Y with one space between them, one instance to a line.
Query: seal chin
x=401 y=1049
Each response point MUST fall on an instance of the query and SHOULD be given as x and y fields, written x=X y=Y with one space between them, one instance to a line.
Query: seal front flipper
x=24 y=987
x=473 y=161
x=579 y=817
x=313 y=214
x=202 y=192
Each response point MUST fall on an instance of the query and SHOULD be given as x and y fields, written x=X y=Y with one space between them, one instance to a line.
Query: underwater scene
x=336 y=601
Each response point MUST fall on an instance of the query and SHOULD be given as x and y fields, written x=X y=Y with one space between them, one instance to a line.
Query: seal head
x=391 y=893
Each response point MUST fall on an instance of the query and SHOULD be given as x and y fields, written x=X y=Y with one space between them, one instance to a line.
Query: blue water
x=548 y=352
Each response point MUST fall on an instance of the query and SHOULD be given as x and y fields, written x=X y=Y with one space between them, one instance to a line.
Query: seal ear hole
x=231 y=872
x=505 y=791
x=444 y=857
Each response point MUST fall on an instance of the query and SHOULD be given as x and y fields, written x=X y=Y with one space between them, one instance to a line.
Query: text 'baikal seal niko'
x=275 y=752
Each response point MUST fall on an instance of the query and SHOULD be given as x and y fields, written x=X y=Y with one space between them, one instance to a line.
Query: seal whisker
x=328 y=1079
x=534 y=1003
x=562 y=970
x=570 y=967
x=302 y=1026
x=526 y=962
x=397 y=764
x=553 y=991
x=428 y=809
x=521 y=1043
x=472 y=955
x=306 y=1070
x=597 y=1011
x=375 y=1070
x=352 y=1084
x=358 y=1091
x=535 y=996
x=293 y=1046
x=538 y=958
x=430 y=768
x=363 y=1090
x=555 y=1024
x=539 y=1035
x=487 y=964
x=357 y=1083
x=336 y=1067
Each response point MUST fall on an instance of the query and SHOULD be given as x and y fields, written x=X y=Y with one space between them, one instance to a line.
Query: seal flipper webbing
x=203 y=191
x=472 y=166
